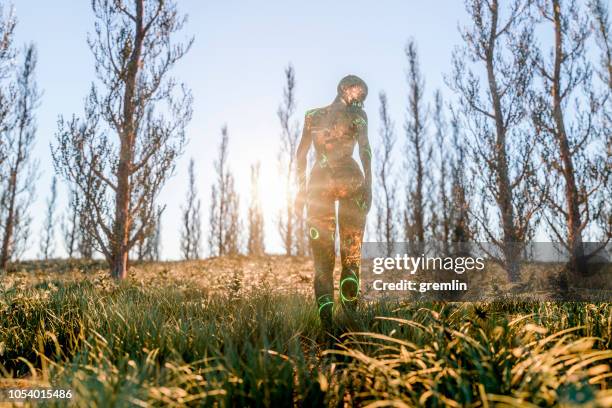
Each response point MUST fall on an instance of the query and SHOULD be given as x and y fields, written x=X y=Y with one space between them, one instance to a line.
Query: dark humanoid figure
x=334 y=131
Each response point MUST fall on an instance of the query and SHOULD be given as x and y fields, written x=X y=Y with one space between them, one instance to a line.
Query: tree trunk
x=5 y=257
x=289 y=232
x=121 y=246
x=574 y=222
x=418 y=210
x=72 y=238
x=504 y=198
x=222 y=204
x=122 y=202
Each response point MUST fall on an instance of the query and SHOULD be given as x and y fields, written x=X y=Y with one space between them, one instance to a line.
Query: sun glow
x=273 y=200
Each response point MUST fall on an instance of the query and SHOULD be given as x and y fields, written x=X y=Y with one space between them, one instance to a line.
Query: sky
x=235 y=71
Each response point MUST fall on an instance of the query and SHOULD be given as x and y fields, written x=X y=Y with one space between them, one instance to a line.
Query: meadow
x=244 y=331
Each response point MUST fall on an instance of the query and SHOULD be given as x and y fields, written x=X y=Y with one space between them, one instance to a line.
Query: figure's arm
x=302 y=160
x=365 y=154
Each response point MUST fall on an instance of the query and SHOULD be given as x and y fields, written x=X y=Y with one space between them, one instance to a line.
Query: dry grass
x=244 y=332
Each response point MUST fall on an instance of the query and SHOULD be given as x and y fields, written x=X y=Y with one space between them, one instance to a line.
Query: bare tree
x=86 y=244
x=386 y=200
x=441 y=208
x=255 y=245
x=224 y=237
x=21 y=171
x=234 y=226
x=191 y=231
x=85 y=207
x=123 y=150
x=155 y=241
x=70 y=225
x=148 y=245
x=418 y=151
x=8 y=23
x=603 y=38
x=47 y=235
x=460 y=220
x=77 y=242
x=291 y=224
x=495 y=114
x=569 y=141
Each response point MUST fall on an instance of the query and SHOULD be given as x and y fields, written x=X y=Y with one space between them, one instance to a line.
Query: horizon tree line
x=526 y=147
x=530 y=131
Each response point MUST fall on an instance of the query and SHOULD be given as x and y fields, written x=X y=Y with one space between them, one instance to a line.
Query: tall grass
x=137 y=344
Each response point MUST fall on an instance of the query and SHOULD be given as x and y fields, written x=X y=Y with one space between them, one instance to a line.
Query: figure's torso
x=335 y=131
x=334 y=134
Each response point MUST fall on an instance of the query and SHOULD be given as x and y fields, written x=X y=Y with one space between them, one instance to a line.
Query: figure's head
x=353 y=90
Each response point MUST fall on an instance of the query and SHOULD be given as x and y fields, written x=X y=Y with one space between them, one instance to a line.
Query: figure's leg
x=351 y=217
x=321 y=231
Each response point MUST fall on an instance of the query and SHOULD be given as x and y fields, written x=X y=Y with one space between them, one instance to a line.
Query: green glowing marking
x=312 y=112
x=314 y=233
x=368 y=151
x=342 y=282
x=323 y=161
x=325 y=304
x=361 y=204
x=359 y=123
x=323 y=301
